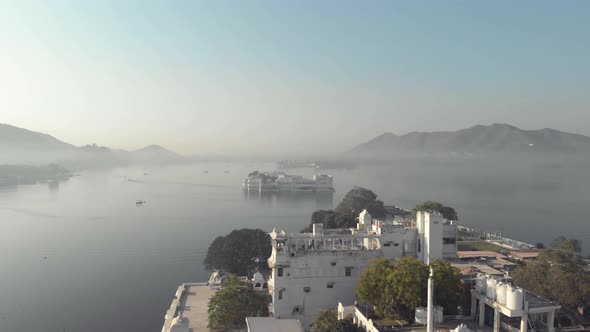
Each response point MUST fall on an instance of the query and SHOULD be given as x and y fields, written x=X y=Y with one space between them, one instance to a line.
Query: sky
x=240 y=77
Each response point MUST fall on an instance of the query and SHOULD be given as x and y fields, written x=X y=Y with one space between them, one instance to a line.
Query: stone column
x=496 y=320
x=473 y=305
x=430 y=305
x=524 y=322
x=550 y=320
x=482 y=310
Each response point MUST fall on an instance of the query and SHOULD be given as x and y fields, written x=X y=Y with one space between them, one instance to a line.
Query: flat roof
x=269 y=324
x=470 y=268
x=477 y=254
x=524 y=254
x=535 y=301
x=191 y=302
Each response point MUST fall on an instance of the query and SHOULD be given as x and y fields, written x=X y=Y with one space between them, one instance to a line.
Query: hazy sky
x=240 y=76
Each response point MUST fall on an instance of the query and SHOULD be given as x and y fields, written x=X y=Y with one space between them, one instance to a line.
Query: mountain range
x=22 y=146
x=495 y=138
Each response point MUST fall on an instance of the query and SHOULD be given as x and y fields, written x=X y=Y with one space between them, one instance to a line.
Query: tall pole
x=429 y=309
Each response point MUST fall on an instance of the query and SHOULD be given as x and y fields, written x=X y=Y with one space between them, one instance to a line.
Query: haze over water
x=81 y=256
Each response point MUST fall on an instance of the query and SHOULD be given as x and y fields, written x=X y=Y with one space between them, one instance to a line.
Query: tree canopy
x=346 y=212
x=447 y=212
x=408 y=281
x=241 y=252
x=356 y=200
x=447 y=286
x=396 y=289
x=557 y=275
x=563 y=243
x=373 y=287
x=328 y=321
x=236 y=300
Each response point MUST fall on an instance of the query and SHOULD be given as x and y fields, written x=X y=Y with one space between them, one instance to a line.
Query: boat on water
x=139 y=202
x=280 y=181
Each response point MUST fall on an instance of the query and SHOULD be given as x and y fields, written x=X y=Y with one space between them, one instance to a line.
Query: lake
x=82 y=256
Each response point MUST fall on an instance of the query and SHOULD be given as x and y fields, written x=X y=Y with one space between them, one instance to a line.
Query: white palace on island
x=311 y=272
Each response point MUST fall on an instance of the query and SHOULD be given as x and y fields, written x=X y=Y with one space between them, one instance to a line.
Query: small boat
x=139 y=202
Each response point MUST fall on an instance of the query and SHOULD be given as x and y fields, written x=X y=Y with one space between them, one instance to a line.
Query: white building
x=286 y=182
x=320 y=182
x=311 y=272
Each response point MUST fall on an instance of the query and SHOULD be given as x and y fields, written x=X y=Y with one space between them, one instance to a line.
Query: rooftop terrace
x=188 y=311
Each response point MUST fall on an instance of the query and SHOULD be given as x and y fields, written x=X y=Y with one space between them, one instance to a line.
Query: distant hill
x=155 y=154
x=25 y=147
x=22 y=146
x=494 y=138
x=22 y=139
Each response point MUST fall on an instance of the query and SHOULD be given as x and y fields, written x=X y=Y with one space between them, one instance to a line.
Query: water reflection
x=322 y=200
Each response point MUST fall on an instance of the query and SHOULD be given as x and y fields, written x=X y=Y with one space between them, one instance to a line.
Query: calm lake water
x=81 y=256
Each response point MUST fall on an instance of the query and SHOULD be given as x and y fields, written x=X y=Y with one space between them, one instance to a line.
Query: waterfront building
x=311 y=272
x=281 y=181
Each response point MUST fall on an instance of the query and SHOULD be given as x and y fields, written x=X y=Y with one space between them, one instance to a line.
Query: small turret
x=365 y=220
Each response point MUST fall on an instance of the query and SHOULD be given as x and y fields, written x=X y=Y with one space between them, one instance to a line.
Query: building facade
x=312 y=271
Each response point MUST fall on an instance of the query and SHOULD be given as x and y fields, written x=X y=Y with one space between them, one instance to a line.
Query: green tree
x=328 y=321
x=241 y=252
x=345 y=325
x=373 y=288
x=447 y=286
x=562 y=243
x=326 y=217
x=355 y=201
x=409 y=284
x=539 y=245
x=557 y=275
x=346 y=213
x=447 y=212
x=236 y=300
x=395 y=290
